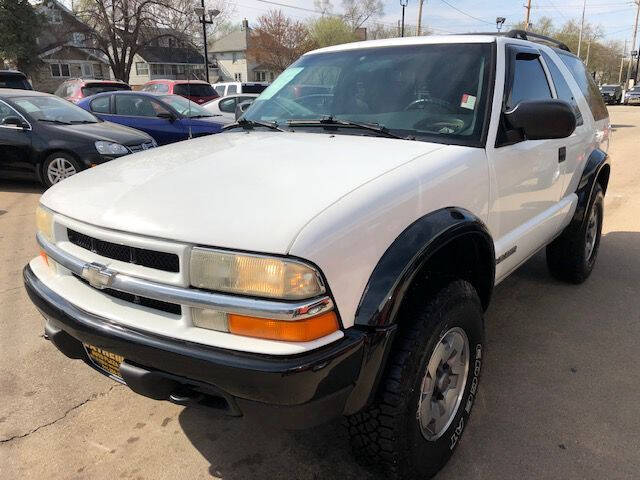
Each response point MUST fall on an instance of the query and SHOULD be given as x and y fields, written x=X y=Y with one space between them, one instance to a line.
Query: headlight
x=254 y=275
x=44 y=222
x=110 y=148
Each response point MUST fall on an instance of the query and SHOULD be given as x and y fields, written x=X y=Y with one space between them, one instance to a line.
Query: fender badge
x=98 y=275
x=506 y=254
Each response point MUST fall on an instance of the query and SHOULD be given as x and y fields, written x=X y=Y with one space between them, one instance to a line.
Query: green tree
x=326 y=31
x=19 y=28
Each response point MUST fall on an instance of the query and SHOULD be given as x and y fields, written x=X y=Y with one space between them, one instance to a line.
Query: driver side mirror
x=15 y=122
x=542 y=119
x=167 y=116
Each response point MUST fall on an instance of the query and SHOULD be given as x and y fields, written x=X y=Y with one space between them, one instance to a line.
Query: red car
x=76 y=89
x=195 y=90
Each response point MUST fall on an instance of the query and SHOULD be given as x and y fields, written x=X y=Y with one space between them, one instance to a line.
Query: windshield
x=186 y=107
x=194 y=90
x=253 y=88
x=14 y=81
x=431 y=92
x=608 y=89
x=92 y=89
x=53 y=109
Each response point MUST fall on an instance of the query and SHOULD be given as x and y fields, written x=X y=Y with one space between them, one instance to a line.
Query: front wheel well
x=603 y=177
x=467 y=257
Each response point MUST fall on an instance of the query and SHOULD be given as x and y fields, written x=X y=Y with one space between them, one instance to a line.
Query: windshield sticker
x=284 y=78
x=468 y=101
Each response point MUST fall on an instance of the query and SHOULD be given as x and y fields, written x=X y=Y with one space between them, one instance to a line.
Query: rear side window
x=562 y=87
x=587 y=85
x=220 y=90
x=529 y=82
x=253 y=88
x=101 y=105
x=231 y=89
x=194 y=90
x=228 y=105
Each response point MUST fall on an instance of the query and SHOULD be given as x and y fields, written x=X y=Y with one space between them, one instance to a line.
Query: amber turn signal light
x=44 y=256
x=288 y=331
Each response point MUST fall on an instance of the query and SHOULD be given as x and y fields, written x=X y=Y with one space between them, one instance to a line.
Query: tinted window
x=93 y=88
x=232 y=89
x=18 y=82
x=587 y=85
x=185 y=107
x=529 y=82
x=253 y=88
x=562 y=87
x=228 y=105
x=6 y=112
x=194 y=90
x=220 y=90
x=135 y=106
x=101 y=105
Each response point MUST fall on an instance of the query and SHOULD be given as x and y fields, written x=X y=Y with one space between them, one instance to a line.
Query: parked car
x=611 y=94
x=167 y=118
x=14 y=79
x=226 y=106
x=76 y=89
x=50 y=139
x=230 y=88
x=196 y=90
x=632 y=97
x=306 y=264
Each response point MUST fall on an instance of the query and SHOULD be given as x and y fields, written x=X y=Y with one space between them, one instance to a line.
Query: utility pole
x=526 y=18
x=584 y=7
x=588 y=51
x=624 y=54
x=420 y=17
x=633 y=43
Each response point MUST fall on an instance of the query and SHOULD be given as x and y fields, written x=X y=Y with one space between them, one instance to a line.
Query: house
x=167 y=56
x=232 y=62
x=65 y=50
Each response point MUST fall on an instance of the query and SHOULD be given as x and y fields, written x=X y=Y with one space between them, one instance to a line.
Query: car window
x=161 y=88
x=228 y=105
x=94 y=88
x=148 y=88
x=14 y=81
x=587 y=86
x=562 y=87
x=101 y=105
x=53 y=109
x=253 y=88
x=231 y=89
x=529 y=82
x=138 y=106
x=185 y=107
x=6 y=112
x=220 y=90
x=246 y=98
x=194 y=90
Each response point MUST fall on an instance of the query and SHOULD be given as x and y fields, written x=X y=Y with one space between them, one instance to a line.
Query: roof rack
x=524 y=35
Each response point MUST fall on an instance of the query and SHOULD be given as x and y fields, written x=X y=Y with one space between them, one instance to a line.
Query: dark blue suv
x=167 y=118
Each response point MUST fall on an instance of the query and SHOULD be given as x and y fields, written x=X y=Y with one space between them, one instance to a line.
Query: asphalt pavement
x=559 y=396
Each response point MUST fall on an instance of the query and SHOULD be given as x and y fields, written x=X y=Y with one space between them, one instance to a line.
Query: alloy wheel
x=59 y=169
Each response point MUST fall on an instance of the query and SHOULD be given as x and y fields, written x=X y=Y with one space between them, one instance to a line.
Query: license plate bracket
x=105 y=361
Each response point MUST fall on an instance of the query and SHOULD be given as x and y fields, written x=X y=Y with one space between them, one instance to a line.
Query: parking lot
x=559 y=396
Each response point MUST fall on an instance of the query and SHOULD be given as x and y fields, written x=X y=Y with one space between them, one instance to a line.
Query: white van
x=229 y=88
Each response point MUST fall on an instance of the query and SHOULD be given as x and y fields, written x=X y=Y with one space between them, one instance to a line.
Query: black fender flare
x=391 y=278
x=404 y=258
x=597 y=161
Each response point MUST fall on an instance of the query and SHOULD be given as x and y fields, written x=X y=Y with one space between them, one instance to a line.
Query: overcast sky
x=614 y=16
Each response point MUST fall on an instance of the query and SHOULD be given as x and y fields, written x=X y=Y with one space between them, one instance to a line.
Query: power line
x=466 y=14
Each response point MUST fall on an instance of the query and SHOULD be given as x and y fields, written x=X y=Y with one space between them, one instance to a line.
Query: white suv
x=333 y=253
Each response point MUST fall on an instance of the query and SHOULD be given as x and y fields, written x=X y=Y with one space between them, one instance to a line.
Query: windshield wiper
x=331 y=122
x=251 y=124
x=201 y=116
x=50 y=120
x=79 y=122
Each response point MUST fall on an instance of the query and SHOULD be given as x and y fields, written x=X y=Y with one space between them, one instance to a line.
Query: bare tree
x=278 y=41
x=358 y=12
x=119 y=29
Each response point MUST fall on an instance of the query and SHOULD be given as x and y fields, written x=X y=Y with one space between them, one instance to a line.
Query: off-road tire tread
x=375 y=432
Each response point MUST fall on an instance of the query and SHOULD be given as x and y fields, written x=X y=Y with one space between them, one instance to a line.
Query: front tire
x=431 y=380
x=572 y=256
x=57 y=167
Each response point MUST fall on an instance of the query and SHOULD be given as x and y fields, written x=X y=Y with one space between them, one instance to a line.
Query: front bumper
x=293 y=391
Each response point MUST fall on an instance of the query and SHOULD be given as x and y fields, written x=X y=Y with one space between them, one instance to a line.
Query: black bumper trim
x=326 y=375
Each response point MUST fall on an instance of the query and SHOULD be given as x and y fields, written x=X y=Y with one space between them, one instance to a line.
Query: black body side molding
x=410 y=251
x=597 y=163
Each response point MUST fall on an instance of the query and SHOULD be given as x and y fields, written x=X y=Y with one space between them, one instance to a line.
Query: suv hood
x=249 y=191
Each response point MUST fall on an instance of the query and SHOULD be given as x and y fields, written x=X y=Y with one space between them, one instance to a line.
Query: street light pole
x=403 y=4
x=202 y=13
x=633 y=44
x=499 y=22
x=584 y=7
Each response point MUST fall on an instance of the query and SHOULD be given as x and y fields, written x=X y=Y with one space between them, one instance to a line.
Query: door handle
x=562 y=154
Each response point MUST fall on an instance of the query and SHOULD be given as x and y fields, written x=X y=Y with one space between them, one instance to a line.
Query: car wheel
x=57 y=167
x=428 y=389
x=572 y=256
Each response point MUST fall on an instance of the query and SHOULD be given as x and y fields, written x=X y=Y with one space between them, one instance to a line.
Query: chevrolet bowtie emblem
x=98 y=276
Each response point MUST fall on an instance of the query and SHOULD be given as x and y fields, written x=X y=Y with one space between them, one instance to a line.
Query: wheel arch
x=47 y=153
x=448 y=243
x=596 y=170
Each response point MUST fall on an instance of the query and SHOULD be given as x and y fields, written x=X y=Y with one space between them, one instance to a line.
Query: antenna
x=189 y=100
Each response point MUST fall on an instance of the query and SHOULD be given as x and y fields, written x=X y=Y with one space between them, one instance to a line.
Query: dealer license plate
x=106 y=361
